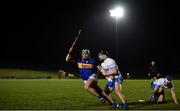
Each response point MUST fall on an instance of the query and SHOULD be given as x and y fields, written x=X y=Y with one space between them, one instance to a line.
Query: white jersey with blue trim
x=108 y=65
x=162 y=82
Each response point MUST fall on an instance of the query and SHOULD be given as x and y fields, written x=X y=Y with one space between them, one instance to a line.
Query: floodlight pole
x=117 y=13
x=116 y=40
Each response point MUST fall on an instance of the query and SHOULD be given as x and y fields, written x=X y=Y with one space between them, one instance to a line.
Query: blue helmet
x=169 y=78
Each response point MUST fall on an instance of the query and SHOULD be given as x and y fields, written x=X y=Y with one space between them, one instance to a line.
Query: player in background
x=87 y=67
x=154 y=72
x=159 y=86
x=110 y=70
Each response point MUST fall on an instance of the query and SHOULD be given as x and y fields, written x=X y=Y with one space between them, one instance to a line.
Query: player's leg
x=108 y=90
x=160 y=95
x=112 y=101
x=118 y=90
x=99 y=90
x=160 y=99
x=156 y=96
x=107 y=97
x=156 y=92
x=153 y=96
x=87 y=86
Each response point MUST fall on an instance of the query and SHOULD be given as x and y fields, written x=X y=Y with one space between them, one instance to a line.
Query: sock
x=115 y=104
x=125 y=105
x=100 y=97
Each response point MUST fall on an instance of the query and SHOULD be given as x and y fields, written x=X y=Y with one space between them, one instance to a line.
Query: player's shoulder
x=160 y=80
x=110 y=60
x=77 y=59
x=155 y=81
x=92 y=60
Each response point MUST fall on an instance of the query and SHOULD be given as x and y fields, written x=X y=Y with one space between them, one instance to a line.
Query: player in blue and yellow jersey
x=87 y=67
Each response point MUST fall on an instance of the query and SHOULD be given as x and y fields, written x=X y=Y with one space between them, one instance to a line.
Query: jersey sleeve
x=160 y=82
x=77 y=59
x=95 y=63
x=111 y=63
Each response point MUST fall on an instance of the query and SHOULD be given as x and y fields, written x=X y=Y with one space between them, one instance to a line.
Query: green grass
x=64 y=94
x=23 y=72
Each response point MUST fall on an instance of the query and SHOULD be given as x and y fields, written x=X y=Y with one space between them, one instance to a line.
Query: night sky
x=37 y=35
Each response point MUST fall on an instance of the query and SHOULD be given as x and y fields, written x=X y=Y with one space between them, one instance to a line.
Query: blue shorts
x=117 y=79
x=93 y=76
x=110 y=84
x=153 y=86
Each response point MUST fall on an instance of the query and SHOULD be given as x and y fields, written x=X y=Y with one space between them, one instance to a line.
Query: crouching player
x=159 y=87
x=110 y=70
x=86 y=66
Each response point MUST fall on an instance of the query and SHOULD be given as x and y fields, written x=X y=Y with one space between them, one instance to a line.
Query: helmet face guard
x=85 y=53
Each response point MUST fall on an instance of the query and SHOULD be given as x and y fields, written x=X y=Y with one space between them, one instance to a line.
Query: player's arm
x=109 y=73
x=173 y=95
x=69 y=57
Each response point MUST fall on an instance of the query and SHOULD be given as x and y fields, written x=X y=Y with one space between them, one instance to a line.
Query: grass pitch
x=61 y=94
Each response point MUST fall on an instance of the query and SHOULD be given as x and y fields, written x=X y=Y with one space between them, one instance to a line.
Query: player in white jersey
x=110 y=70
x=159 y=87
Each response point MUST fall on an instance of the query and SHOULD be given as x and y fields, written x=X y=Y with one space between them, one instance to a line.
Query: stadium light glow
x=117 y=12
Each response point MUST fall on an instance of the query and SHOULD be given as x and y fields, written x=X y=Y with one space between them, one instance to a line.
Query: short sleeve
x=95 y=63
x=111 y=63
x=77 y=59
x=160 y=82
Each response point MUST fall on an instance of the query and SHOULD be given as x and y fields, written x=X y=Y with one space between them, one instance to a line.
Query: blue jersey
x=86 y=67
